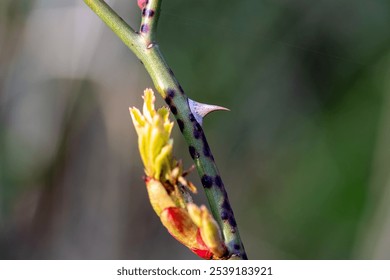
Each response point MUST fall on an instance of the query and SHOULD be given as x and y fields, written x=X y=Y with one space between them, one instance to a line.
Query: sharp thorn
x=200 y=110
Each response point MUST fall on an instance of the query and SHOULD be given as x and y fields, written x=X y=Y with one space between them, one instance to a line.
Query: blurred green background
x=304 y=152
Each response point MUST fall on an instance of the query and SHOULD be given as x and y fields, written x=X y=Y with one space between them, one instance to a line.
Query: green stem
x=150 y=15
x=146 y=49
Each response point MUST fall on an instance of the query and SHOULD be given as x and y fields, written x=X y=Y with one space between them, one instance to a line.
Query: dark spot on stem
x=232 y=221
x=144 y=28
x=147 y=12
x=181 y=124
x=207 y=181
x=228 y=213
x=192 y=117
x=169 y=101
x=197 y=131
x=193 y=152
x=218 y=181
x=226 y=206
x=224 y=215
x=173 y=109
x=206 y=150
x=171 y=93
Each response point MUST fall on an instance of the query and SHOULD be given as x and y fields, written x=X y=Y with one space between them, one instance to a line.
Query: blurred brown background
x=304 y=152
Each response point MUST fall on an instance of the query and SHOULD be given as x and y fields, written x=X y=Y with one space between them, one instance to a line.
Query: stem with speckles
x=144 y=46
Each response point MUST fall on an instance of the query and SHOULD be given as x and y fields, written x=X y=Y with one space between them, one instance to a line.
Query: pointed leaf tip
x=200 y=110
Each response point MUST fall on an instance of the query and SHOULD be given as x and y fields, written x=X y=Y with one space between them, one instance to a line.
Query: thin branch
x=146 y=49
x=150 y=16
x=116 y=23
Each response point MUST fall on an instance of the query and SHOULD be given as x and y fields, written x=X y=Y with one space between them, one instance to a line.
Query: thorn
x=200 y=110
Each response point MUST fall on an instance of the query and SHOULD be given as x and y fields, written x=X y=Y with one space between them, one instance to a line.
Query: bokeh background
x=304 y=152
